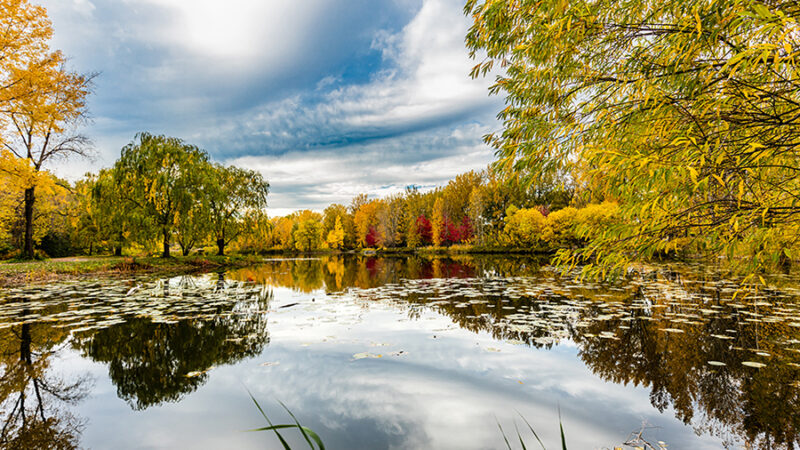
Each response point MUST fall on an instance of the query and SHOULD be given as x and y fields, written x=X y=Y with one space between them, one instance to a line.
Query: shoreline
x=17 y=273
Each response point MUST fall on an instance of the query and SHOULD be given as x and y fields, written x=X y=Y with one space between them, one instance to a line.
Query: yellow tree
x=335 y=238
x=42 y=102
x=682 y=111
x=438 y=222
x=365 y=219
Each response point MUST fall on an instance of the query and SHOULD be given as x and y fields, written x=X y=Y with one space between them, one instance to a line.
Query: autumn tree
x=308 y=234
x=339 y=212
x=389 y=220
x=438 y=224
x=685 y=112
x=366 y=221
x=42 y=102
x=335 y=237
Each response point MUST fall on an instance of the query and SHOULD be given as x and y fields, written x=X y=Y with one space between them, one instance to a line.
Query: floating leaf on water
x=721 y=336
x=757 y=365
x=366 y=355
x=672 y=330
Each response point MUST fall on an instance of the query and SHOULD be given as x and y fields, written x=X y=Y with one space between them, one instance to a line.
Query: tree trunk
x=118 y=247
x=30 y=197
x=221 y=247
x=166 y=244
x=90 y=248
x=186 y=250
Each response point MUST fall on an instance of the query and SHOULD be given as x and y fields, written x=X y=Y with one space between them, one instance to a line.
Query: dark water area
x=401 y=353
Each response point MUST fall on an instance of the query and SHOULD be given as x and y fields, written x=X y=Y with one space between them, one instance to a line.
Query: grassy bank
x=15 y=273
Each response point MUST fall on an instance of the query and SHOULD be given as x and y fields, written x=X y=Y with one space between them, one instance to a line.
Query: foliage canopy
x=685 y=112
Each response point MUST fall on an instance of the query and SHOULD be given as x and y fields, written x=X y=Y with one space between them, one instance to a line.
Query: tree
x=308 y=235
x=335 y=237
x=424 y=230
x=116 y=223
x=438 y=224
x=524 y=227
x=389 y=219
x=160 y=177
x=366 y=219
x=685 y=112
x=475 y=212
x=43 y=121
x=230 y=193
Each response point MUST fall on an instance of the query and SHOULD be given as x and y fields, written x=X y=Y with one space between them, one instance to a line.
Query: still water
x=400 y=353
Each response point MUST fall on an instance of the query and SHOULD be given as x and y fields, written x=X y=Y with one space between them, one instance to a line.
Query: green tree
x=230 y=193
x=114 y=222
x=308 y=234
x=161 y=177
x=685 y=112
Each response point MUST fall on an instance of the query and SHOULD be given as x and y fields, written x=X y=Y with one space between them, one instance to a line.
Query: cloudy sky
x=326 y=98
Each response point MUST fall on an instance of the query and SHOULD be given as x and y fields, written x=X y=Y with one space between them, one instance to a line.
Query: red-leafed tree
x=372 y=237
x=424 y=229
x=450 y=232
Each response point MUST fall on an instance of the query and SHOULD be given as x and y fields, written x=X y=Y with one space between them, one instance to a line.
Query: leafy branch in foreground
x=685 y=112
x=308 y=434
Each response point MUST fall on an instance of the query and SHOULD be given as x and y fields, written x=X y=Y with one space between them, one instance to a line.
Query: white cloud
x=222 y=76
x=314 y=179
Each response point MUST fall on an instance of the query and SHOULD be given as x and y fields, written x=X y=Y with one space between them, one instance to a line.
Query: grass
x=17 y=272
x=308 y=434
x=313 y=438
x=522 y=441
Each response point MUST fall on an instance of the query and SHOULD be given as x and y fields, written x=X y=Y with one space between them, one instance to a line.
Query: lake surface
x=400 y=353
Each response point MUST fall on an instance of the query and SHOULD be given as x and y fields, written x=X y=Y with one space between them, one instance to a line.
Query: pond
x=401 y=353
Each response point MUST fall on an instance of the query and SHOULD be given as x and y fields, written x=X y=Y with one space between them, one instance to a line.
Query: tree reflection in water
x=660 y=333
x=685 y=338
x=33 y=401
x=154 y=362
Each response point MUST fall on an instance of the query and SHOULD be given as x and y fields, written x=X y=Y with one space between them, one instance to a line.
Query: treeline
x=476 y=211
x=161 y=191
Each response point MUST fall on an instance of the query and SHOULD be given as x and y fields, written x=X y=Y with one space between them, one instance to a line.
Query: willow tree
x=41 y=102
x=159 y=179
x=230 y=193
x=685 y=112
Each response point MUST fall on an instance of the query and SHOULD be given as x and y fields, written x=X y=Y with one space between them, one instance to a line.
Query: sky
x=327 y=99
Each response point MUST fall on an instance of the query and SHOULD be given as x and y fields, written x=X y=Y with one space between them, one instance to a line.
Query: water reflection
x=154 y=362
x=33 y=400
x=729 y=368
x=338 y=273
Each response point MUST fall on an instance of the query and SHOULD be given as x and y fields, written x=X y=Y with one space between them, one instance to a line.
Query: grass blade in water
x=503 y=433
x=531 y=428
x=271 y=426
x=305 y=431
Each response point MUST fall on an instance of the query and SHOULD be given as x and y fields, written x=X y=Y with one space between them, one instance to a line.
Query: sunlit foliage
x=685 y=112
